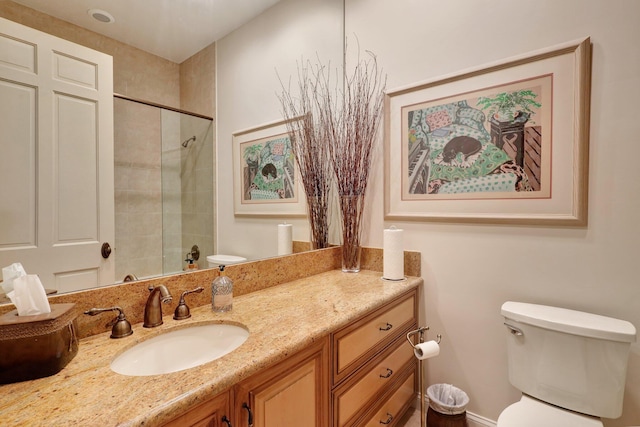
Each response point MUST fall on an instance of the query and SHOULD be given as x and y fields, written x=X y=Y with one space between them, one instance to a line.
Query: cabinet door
x=212 y=413
x=291 y=393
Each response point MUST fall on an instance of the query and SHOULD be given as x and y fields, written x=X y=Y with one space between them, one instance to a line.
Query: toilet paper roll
x=285 y=239
x=426 y=350
x=393 y=254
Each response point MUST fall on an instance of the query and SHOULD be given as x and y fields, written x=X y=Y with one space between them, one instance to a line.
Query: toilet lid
x=530 y=412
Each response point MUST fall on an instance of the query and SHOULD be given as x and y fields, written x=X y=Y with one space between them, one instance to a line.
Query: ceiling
x=172 y=29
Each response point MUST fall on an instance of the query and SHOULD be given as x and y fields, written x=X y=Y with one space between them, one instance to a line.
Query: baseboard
x=477 y=421
x=473 y=420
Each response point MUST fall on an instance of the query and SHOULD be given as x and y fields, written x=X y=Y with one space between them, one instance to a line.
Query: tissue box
x=37 y=346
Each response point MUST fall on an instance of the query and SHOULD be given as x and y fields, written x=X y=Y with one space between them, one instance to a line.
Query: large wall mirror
x=178 y=158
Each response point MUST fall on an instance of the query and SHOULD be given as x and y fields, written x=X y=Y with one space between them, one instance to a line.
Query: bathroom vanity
x=367 y=365
x=328 y=349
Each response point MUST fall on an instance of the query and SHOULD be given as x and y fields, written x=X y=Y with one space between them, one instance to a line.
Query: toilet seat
x=530 y=412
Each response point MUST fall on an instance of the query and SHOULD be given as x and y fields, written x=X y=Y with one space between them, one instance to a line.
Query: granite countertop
x=281 y=320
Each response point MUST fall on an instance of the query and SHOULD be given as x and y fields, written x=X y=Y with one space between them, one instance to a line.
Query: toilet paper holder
x=420 y=332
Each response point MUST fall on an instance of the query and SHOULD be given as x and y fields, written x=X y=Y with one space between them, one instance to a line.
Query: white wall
x=247 y=85
x=471 y=270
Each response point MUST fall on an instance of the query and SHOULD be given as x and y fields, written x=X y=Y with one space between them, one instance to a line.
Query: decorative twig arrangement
x=336 y=134
x=351 y=144
x=305 y=123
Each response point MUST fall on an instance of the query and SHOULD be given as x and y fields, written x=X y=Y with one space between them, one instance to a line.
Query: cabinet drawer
x=354 y=344
x=364 y=389
x=391 y=411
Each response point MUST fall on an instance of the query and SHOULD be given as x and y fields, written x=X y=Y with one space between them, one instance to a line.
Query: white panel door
x=56 y=158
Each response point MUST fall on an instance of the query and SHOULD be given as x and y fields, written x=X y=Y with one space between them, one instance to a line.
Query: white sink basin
x=180 y=349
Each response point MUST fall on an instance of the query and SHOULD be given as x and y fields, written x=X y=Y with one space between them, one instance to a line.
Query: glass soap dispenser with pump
x=222 y=292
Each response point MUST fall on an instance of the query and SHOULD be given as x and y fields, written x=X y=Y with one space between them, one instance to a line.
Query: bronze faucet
x=153 y=309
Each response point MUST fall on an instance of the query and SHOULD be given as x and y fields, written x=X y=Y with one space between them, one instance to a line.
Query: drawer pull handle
x=386 y=328
x=250 y=420
x=226 y=420
x=388 y=374
x=389 y=419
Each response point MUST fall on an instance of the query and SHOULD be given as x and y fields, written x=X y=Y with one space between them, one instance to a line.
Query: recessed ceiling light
x=101 y=15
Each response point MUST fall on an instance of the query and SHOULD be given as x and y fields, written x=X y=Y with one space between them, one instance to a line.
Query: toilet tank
x=568 y=358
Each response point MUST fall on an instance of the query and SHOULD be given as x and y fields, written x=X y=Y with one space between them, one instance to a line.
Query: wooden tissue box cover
x=37 y=346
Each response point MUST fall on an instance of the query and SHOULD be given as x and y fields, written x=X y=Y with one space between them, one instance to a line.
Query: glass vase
x=351 y=209
x=351 y=257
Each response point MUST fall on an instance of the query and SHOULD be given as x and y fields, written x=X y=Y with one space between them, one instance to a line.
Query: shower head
x=186 y=142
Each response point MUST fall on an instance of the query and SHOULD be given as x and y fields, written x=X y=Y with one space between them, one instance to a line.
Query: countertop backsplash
x=247 y=277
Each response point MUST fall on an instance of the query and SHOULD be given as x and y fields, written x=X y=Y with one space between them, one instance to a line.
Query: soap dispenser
x=191 y=263
x=222 y=292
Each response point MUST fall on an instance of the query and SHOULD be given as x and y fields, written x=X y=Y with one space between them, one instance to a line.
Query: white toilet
x=570 y=366
x=216 y=260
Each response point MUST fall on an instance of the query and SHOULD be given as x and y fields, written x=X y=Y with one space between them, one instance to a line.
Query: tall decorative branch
x=306 y=120
x=351 y=140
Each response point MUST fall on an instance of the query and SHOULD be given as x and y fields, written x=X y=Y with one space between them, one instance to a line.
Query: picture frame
x=502 y=143
x=266 y=180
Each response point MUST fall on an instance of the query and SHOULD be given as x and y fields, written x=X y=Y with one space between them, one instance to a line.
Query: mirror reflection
x=164 y=173
x=158 y=218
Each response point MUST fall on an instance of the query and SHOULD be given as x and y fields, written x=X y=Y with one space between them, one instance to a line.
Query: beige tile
x=197 y=82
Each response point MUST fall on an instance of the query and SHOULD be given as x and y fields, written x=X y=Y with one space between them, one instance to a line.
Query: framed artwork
x=506 y=142
x=266 y=180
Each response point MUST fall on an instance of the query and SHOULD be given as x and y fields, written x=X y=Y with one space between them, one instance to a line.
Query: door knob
x=105 y=250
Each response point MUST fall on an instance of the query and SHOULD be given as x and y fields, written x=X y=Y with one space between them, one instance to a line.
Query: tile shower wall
x=161 y=185
x=198 y=84
x=197 y=186
x=171 y=192
x=187 y=188
x=138 y=191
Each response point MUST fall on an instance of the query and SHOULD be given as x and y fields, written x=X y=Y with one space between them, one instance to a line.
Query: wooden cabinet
x=215 y=412
x=363 y=374
x=373 y=365
x=292 y=393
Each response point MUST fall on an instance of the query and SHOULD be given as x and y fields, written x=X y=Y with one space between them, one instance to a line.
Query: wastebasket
x=447 y=406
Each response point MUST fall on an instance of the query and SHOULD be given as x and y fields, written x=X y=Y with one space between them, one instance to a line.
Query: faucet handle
x=182 y=310
x=120 y=325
